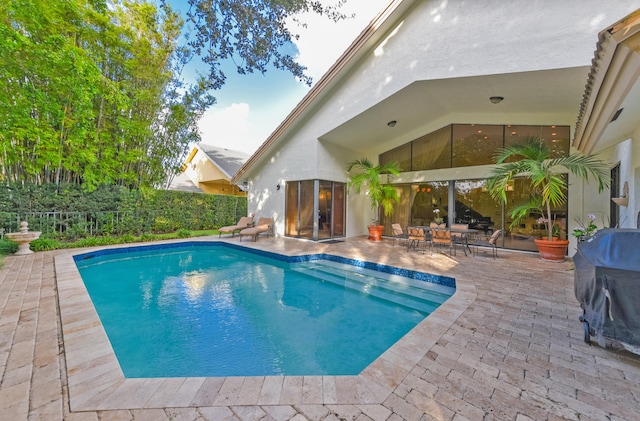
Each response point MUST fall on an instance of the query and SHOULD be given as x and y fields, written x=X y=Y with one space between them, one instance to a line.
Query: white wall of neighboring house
x=436 y=40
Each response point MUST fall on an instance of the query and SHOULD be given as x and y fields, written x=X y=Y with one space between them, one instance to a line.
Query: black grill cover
x=607 y=285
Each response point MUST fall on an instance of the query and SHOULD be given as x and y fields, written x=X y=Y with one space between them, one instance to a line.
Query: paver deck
x=507 y=346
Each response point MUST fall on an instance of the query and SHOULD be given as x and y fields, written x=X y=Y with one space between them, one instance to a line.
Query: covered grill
x=607 y=285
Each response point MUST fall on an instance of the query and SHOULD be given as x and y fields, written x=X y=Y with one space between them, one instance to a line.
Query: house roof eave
x=614 y=70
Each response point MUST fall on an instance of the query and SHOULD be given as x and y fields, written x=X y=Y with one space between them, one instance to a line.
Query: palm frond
x=547 y=183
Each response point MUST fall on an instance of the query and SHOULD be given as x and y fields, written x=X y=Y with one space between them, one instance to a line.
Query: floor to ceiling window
x=468 y=201
x=315 y=209
x=473 y=205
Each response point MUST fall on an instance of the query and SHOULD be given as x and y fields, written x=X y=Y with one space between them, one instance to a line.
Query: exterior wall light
x=392 y=123
x=496 y=99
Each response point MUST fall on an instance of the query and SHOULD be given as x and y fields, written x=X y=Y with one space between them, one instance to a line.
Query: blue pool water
x=209 y=310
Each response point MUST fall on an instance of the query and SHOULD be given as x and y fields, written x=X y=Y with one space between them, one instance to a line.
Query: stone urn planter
x=23 y=238
x=552 y=251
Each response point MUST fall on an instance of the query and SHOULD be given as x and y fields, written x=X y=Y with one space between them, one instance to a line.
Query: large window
x=473 y=205
x=432 y=151
x=401 y=154
x=468 y=201
x=521 y=236
x=475 y=144
x=418 y=203
x=464 y=145
x=557 y=138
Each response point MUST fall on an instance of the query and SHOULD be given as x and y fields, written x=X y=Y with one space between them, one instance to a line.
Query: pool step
x=396 y=282
x=419 y=295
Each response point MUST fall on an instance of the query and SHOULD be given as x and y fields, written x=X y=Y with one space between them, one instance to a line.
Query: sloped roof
x=227 y=160
x=182 y=183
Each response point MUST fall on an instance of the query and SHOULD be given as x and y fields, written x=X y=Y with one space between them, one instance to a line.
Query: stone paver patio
x=507 y=346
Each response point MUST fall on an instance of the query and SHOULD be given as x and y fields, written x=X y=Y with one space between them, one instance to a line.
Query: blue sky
x=250 y=107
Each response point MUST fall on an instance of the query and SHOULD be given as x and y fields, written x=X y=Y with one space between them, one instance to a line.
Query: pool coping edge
x=96 y=382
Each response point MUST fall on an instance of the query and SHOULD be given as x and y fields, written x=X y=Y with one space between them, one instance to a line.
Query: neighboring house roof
x=227 y=160
x=611 y=101
x=181 y=182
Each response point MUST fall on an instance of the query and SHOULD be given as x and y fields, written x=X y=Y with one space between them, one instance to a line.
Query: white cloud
x=226 y=127
x=324 y=40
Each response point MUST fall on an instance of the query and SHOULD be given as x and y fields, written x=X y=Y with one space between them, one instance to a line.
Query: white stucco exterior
x=431 y=64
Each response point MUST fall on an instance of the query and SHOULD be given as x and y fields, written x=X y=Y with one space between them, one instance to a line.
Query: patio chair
x=243 y=223
x=442 y=238
x=488 y=241
x=398 y=234
x=459 y=237
x=414 y=236
x=264 y=226
x=435 y=226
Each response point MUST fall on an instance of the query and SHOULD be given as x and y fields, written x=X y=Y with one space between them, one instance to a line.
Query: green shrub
x=87 y=242
x=128 y=238
x=8 y=247
x=183 y=233
x=147 y=237
x=68 y=213
x=44 y=244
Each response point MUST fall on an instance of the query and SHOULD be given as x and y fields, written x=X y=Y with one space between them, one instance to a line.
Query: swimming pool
x=214 y=309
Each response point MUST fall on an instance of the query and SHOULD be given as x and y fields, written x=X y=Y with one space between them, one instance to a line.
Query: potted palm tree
x=362 y=173
x=533 y=161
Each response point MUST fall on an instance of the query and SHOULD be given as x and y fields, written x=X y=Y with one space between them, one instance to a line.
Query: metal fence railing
x=75 y=224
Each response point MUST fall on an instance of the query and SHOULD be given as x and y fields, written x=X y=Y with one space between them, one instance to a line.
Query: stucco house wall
x=433 y=40
x=608 y=123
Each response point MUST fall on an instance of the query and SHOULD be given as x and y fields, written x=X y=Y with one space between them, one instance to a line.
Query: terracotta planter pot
x=552 y=251
x=375 y=232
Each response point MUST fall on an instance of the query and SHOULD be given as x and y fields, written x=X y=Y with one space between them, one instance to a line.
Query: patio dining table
x=466 y=234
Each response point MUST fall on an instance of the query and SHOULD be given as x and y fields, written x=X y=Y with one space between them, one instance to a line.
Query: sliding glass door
x=315 y=209
x=469 y=202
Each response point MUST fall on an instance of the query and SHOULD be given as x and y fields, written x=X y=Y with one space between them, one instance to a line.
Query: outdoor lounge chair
x=264 y=226
x=243 y=223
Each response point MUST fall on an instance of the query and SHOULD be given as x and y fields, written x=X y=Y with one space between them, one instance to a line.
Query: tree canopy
x=251 y=33
x=91 y=91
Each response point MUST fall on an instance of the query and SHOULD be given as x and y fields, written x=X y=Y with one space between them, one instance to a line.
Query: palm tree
x=380 y=193
x=548 y=186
